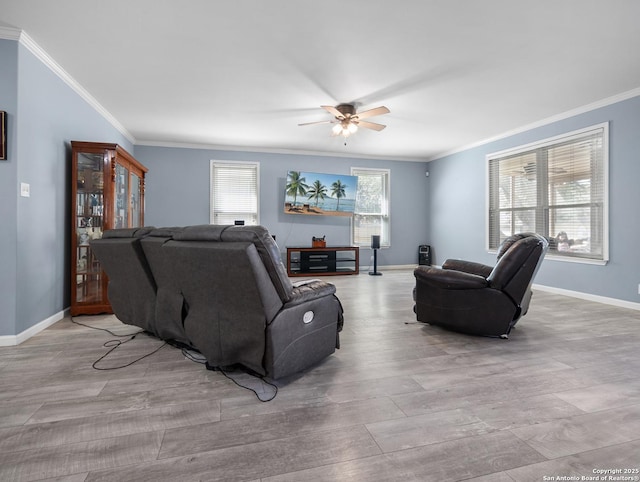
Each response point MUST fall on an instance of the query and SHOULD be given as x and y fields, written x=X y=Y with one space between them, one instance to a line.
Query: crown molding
x=549 y=120
x=271 y=150
x=9 y=33
x=24 y=39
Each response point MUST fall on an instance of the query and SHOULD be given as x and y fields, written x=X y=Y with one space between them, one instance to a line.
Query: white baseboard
x=560 y=291
x=589 y=297
x=391 y=267
x=32 y=331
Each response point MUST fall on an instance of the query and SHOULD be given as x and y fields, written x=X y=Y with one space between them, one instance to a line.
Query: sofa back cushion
x=258 y=236
x=228 y=299
x=516 y=268
x=170 y=304
x=509 y=241
x=132 y=288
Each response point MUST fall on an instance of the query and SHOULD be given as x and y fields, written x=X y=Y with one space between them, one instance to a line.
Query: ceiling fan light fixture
x=345 y=128
x=346 y=119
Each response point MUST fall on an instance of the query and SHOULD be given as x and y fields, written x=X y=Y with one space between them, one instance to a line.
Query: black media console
x=323 y=261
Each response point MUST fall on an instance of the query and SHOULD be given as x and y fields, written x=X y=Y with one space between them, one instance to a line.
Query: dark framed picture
x=3 y=135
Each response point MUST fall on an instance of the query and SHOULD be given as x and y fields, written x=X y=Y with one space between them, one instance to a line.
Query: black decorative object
x=424 y=255
x=3 y=135
x=375 y=245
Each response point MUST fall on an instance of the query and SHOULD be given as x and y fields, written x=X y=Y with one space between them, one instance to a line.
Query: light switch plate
x=25 y=189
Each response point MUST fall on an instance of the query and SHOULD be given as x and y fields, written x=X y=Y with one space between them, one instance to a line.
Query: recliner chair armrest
x=310 y=290
x=449 y=279
x=468 y=267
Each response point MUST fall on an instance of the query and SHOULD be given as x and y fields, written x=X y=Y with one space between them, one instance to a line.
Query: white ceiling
x=244 y=73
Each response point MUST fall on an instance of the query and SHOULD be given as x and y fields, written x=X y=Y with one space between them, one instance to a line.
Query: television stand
x=329 y=261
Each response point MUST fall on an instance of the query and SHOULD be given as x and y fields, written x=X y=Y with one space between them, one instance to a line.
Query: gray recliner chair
x=223 y=291
x=478 y=299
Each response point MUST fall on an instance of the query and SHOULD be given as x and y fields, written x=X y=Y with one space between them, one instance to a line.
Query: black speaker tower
x=375 y=245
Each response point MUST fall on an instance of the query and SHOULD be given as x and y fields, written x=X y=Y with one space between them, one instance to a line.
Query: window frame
x=385 y=238
x=245 y=165
x=542 y=191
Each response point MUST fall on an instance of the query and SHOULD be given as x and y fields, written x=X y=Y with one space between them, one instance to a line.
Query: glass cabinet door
x=107 y=192
x=136 y=201
x=121 y=214
x=88 y=222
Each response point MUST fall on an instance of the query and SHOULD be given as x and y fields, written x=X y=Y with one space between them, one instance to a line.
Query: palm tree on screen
x=318 y=191
x=296 y=185
x=338 y=190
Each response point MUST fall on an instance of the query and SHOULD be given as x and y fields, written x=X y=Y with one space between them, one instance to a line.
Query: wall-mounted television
x=319 y=194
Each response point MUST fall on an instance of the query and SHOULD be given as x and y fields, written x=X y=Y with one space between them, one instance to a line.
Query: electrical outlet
x=639 y=288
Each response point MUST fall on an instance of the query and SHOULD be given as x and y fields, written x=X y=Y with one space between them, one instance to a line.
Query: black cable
x=251 y=389
x=104 y=329
x=193 y=356
x=226 y=370
x=113 y=344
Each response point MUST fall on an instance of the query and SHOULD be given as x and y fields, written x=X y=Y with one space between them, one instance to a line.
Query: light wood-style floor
x=398 y=402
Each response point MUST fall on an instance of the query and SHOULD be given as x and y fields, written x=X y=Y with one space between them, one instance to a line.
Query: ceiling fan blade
x=371 y=125
x=333 y=111
x=371 y=112
x=317 y=122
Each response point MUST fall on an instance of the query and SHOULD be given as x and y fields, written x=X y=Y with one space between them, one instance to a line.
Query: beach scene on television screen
x=315 y=193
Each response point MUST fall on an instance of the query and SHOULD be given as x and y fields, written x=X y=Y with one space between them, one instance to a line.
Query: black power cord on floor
x=226 y=371
x=195 y=356
x=114 y=344
x=105 y=329
x=187 y=352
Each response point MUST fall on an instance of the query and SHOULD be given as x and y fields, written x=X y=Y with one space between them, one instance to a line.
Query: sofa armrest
x=449 y=279
x=468 y=267
x=309 y=290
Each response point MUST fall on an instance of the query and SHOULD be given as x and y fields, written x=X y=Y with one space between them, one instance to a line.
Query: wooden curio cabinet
x=107 y=186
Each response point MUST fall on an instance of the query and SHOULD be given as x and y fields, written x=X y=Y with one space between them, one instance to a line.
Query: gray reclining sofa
x=223 y=291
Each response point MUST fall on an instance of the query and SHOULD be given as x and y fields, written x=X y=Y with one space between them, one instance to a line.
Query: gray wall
x=45 y=114
x=177 y=193
x=457 y=205
x=8 y=189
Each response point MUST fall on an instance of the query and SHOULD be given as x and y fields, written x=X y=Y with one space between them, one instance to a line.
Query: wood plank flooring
x=398 y=402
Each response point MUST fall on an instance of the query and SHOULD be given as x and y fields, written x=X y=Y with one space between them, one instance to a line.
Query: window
x=234 y=192
x=556 y=188
x=372 y=207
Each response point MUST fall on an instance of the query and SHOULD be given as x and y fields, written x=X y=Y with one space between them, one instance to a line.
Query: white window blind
x=234 y=192
x=556 y=188
x=372 y=207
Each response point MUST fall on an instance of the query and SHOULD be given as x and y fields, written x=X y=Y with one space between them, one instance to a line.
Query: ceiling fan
x=347 y=120
x=529 y=171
